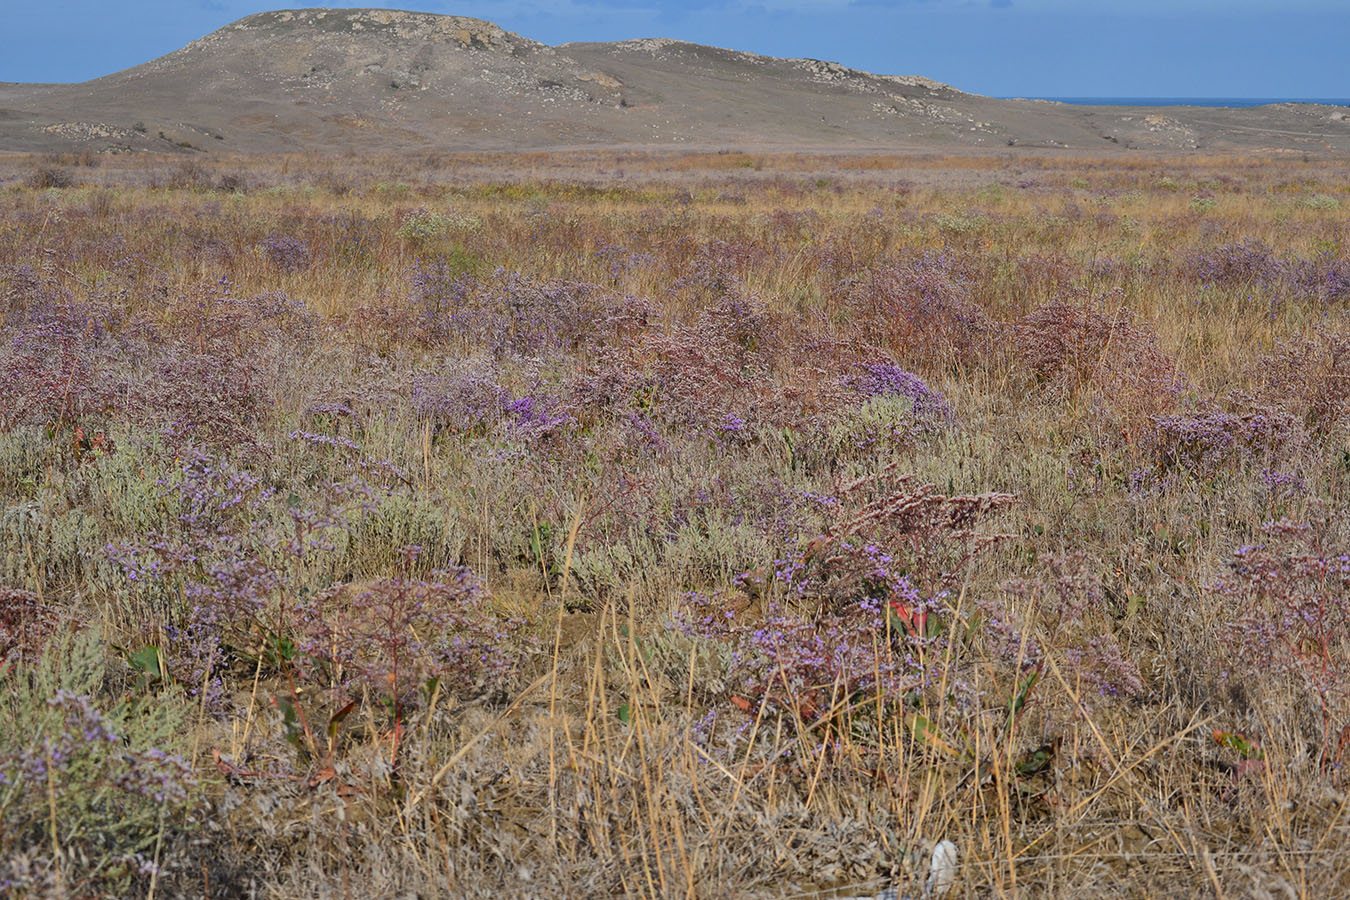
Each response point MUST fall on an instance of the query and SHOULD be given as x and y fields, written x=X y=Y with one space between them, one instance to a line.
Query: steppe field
x=657 y=524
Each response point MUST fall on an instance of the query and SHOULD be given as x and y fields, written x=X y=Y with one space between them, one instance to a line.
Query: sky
x=1029 y=48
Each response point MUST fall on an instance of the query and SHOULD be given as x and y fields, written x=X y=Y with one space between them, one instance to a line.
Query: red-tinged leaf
x=225 y=767
x=926 y=733
x=911 y=619
x=807 y=710
x=326 y=774
x=902 y=617
x=741 y=703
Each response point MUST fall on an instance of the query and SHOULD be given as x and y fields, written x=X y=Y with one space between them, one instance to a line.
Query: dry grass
x=623 y=391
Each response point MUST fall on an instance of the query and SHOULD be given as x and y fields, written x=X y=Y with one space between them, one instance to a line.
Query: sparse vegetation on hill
x=720 y=525
x=382 y=81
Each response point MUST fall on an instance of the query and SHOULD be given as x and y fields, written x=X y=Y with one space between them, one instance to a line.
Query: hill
x=315 y=80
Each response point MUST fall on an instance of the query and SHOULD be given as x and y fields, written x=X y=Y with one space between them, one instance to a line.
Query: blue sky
x=1163 y=48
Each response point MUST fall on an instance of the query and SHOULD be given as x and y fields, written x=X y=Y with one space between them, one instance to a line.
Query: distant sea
x=1190 y=101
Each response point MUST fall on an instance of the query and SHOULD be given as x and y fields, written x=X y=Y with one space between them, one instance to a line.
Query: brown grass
x=619 y=756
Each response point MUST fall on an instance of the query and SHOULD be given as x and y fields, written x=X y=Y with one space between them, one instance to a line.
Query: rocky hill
x=317 y=80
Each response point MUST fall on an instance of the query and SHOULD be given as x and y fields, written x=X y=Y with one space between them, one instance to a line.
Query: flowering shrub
x=538 y=416
x=1245 y=264
x=473 y=402
x=289 y=254
x=1310 y=379
x=441 y=290
x=1289 y=597
x=423 y=225
x=203 y=578
x=1076 y=347
x=620 y=261
x=208 y=399
x=805 y=664
x=847 y=615
x=1204 y=441
x=700 y=377
x=923 y=310
x=887 y=380
x=1249 y=265
x=393 y=635
x=715 y=367
x=516 y=316
x=59 y=368
x=716 y=270
x=1065 y=598
x=86 y=784
x=1324 y=278
x=355 y=239
x=461 y=402
x=925 y=534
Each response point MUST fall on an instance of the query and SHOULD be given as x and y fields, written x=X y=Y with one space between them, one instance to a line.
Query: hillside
x=337 y=80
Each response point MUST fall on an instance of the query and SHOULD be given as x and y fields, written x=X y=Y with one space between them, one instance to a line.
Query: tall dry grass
x=708 y=525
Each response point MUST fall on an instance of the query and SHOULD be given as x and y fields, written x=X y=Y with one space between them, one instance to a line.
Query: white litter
x=941 y=877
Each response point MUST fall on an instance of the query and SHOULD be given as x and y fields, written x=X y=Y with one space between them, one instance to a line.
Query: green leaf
x=290 y=721
x=280 y=649
x=335 y=720
x=1243 y=745
x=1036 y=761
x=1019 y=698
x=926 y=733
x=920 y=726
x=625 y=714
x=147 y=661
x=1133 y=605
x=974 y=625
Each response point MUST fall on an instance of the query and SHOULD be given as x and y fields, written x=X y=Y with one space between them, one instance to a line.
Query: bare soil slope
x=335 y=80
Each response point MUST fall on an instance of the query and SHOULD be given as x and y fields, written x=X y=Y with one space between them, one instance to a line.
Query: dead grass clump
x=48 y=177
x=26 y=624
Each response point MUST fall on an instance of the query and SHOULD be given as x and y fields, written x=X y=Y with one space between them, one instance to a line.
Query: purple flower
x=887 y=380
x=289 y=254
x=538 y=416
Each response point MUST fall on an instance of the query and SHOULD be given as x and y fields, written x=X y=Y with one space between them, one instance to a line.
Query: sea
x=1231 y=102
